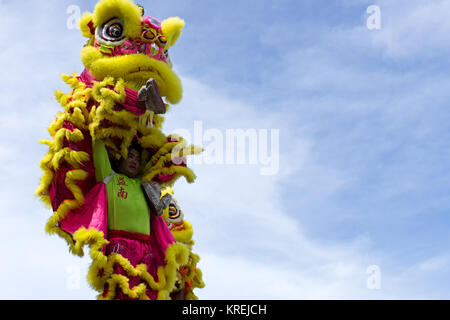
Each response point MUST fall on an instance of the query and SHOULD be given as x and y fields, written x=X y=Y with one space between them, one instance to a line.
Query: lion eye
x=112 y=32
x=115 y=31
x=149 y=35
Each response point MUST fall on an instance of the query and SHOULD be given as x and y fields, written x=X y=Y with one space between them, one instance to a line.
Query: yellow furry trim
x=56 y=124
x=74 y=158
x=158 y=121
x=73 y=81
x=197 y=280
x=101 y=271
x=176 y=255
x=171 y=28
x=178 y=172
x=192 y=263
x=184 y=234
x=193 y=279
x=124 y=67
x=101 y=92
x=190 y=296
x=189 y=276
x=167 y=190
x=85 y=20
x=126 y=123
x=95 y=239
x=68 y=205
x=46 y=180
x=154 y=140
x=126 y=10
x=166 y=155
x=65 y=134
x=75 y=111
x=161 y=157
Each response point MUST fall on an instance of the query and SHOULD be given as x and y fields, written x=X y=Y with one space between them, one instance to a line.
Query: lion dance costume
x=124 y=50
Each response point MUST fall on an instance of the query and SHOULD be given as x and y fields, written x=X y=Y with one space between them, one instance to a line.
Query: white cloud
x=239 y=215
x=330 y=80
x=413 y=28
x=34 y=265
x=436 y=264
x=235 y=277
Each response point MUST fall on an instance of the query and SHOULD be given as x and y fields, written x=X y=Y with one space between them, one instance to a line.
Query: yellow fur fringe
x=75 y=111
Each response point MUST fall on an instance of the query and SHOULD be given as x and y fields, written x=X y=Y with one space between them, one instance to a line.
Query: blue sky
x=364 y=152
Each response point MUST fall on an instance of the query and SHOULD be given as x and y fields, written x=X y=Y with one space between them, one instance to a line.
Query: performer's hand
x=152 y=192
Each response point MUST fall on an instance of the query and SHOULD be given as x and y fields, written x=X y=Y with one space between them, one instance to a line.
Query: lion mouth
x=145 y=70
x=142 y=69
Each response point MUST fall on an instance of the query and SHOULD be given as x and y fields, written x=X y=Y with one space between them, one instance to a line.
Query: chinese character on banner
x=121 y=182
x=122 y=193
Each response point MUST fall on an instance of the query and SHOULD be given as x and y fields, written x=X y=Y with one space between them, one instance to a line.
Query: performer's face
x=130 y=166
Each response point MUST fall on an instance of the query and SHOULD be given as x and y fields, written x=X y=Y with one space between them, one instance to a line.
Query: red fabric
x=132 y=103
x=128 y=234
x=68 y=125
x=91 y=215
x=162 y=178
x=137 y=252
x=87 y=78
x=59 y=191
x=91 y=27
x=160 y=238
